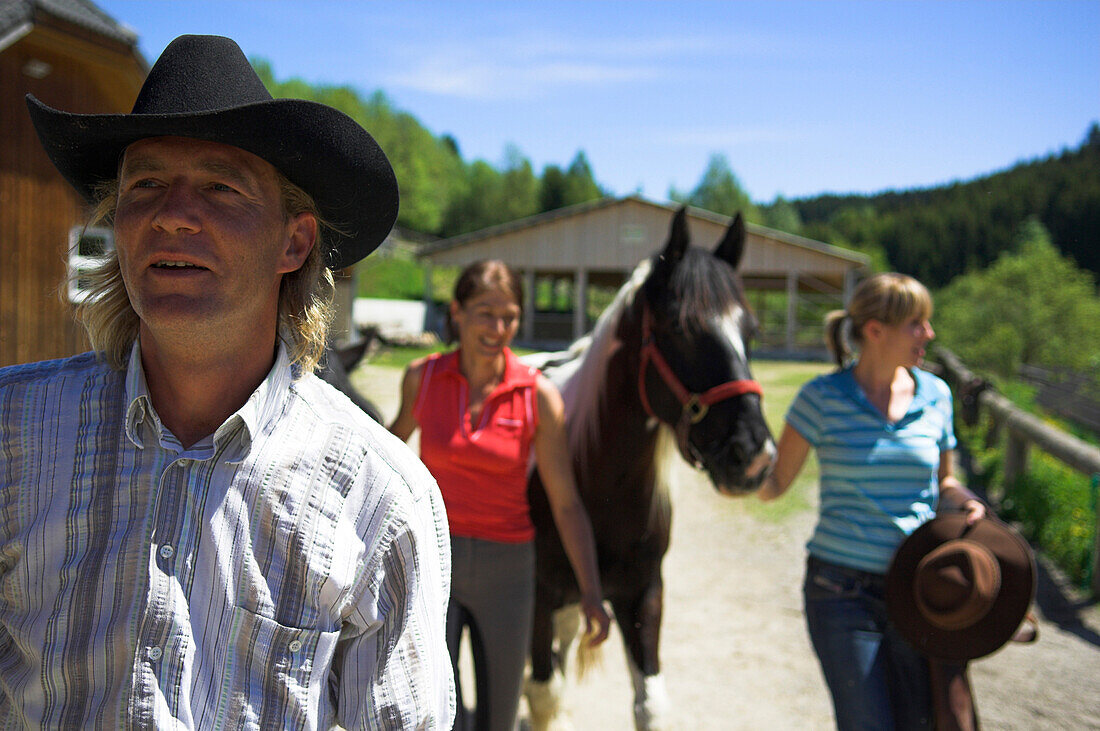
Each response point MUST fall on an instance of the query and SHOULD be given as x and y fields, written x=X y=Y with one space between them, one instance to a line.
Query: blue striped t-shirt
x=878 y=479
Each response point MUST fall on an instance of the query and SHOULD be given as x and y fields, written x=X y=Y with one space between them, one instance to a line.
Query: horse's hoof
x=651 y=704
x=544 y=704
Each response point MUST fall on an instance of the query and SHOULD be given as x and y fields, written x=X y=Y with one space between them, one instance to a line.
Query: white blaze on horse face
x=729 y=325
x=762 y=461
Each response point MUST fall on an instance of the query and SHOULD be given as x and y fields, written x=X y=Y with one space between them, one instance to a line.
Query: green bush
x=1032 y=306
x=390 y=278
x=1053 y=505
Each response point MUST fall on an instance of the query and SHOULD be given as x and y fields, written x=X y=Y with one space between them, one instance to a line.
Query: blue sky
x=801 y=97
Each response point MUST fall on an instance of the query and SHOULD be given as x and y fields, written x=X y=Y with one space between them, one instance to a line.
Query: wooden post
x=993 y=432
x=1095 y=567
x=1015 y=458
x=529 y=305
x=580 y=303
x=792 y=309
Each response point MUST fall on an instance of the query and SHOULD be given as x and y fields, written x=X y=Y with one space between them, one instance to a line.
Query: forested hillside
x=441 y=193
x=936 y=234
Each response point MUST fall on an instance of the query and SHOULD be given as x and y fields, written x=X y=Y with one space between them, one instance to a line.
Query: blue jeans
x=876 y=679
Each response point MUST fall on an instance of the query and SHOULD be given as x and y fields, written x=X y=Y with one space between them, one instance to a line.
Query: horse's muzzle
x=733 y=482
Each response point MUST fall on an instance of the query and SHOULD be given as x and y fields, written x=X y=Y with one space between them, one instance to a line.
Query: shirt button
x=155 y=653
x=295 y=645
x=184 y=462
x=167 y=551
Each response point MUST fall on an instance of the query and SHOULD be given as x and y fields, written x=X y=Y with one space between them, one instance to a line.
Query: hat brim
x=318 y=148
x=996 y=627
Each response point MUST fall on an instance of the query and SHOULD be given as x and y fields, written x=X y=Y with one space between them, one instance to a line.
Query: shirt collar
x=234 y=436
x=922 y=393
x=516 y=372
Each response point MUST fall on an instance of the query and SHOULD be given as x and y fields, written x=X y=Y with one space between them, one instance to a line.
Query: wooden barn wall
x=615 y=238
x=37 y=208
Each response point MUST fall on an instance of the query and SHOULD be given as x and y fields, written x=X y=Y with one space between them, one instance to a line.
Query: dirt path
x=735 y=652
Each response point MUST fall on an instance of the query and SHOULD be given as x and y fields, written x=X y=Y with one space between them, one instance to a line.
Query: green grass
x=781 y=381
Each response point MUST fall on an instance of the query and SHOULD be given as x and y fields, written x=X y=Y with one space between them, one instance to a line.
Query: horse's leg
x=546 y=684
x=640 y=623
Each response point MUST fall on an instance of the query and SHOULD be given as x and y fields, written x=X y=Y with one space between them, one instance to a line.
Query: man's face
x=202 y=239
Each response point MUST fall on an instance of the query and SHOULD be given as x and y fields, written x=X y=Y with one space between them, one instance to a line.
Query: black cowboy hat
x=958 y=592
x=203 y=87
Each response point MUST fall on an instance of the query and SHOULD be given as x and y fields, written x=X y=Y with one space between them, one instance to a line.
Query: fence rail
x=1070 y=395
x=1023 y=431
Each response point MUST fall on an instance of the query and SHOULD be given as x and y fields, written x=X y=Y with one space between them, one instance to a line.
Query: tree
x=580 y=183
x=552 y=193
x=719 y=191
x=519 y=194
x=782 y=216
x=429 y=170
x=1034 y=306
x=472 y=206
x=559 y=188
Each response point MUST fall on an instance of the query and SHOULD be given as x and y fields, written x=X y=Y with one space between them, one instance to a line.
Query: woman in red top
x=480 y=412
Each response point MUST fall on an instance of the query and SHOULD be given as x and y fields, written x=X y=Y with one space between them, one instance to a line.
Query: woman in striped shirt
x=883 y=434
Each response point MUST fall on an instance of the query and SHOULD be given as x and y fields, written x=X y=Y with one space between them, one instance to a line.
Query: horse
x=336 y=367
x=667 y=363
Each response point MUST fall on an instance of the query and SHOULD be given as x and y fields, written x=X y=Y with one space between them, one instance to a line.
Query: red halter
x=695 y=405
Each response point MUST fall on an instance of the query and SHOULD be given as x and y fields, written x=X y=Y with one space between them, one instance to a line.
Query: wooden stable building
x=72 y=56
x=601 y=242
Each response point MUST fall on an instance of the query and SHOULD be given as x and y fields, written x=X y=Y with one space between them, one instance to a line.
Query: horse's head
x=695 y=373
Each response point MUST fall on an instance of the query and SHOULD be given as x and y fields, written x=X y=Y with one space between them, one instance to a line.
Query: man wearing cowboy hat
x=196 y=531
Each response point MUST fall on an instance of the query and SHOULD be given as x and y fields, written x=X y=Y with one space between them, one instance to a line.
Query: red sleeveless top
x=481 y=468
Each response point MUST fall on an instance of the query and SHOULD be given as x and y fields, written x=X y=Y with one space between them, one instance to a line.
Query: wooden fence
x=1023 y=431
x=1070 y=395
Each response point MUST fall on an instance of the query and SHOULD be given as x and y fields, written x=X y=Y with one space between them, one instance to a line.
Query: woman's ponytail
x=835 y=337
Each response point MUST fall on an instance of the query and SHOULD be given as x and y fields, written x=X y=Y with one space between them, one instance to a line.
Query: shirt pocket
x=274 y=672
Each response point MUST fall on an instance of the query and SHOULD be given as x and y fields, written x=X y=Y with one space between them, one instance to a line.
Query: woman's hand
x=974 y=509
x=953 y=492
x=790 y=455
x=597 y=622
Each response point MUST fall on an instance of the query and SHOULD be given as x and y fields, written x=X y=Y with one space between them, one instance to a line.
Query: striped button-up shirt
x=291 y=571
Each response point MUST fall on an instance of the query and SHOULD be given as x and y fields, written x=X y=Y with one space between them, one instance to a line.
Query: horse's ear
x=678 y=239
x=732 y=245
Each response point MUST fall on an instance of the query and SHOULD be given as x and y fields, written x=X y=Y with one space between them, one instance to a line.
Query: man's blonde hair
x=305 y=296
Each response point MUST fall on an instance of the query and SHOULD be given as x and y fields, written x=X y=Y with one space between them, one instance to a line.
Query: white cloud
x=524 y=67
x=521 y=79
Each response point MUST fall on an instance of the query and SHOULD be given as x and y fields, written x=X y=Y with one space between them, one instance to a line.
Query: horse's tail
x=567 y=624
x=589 y=656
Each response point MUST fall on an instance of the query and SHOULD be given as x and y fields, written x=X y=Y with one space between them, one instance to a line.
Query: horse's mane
x=702 y=288
x=582 y=377
x=582 y=384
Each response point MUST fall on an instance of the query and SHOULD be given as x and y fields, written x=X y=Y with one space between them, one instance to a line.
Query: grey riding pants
x=493 y=597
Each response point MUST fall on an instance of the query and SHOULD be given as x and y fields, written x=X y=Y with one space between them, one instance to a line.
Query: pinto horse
x=667 y=358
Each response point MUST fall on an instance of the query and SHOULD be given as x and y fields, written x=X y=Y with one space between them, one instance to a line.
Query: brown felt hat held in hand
x=959 y=592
